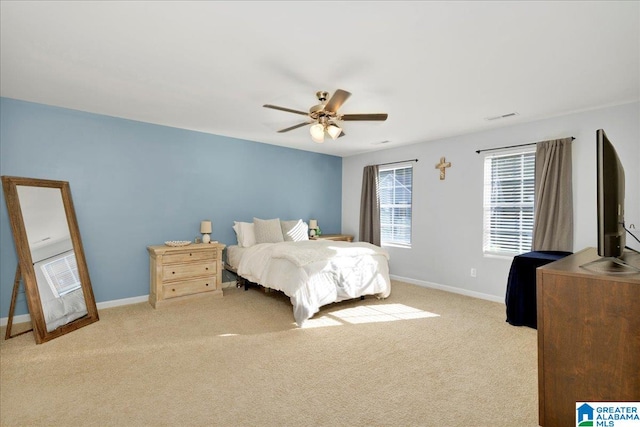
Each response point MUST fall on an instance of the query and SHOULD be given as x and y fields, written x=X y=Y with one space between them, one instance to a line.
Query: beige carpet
x=241 y=361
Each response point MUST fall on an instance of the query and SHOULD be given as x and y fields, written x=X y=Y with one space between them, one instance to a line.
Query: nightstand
x=337 y=237
x=183 y=272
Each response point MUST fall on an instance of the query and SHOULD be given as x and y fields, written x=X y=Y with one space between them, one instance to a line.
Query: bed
x=312 y=273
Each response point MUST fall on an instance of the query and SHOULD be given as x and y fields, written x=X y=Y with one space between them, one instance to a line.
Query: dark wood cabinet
x=588 y=336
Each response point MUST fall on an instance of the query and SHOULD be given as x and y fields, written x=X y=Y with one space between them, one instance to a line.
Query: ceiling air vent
x=504 y=116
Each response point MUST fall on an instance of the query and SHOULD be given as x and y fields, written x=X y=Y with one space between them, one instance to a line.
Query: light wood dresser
x=184 y=272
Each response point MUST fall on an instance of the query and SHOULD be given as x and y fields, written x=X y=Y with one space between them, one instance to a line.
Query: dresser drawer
x=189 y=287
x=186 y=271
x=182 y=257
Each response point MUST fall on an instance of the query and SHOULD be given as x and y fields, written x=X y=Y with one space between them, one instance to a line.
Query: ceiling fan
x=324 y=117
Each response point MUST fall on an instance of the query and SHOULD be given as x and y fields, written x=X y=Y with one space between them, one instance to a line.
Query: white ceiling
x=438 y=69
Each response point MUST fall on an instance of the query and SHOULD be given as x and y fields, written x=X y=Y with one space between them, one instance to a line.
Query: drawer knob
x=206 y=268
x=173 y=272
x=173 y=290
x=206 y=284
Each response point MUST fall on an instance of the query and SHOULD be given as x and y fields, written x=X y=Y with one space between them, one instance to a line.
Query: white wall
x=447 y=215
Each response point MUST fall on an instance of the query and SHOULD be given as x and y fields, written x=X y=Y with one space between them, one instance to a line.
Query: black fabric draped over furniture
x=521 y=287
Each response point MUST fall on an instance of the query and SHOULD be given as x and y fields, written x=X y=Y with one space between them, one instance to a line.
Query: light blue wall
x=136 y=184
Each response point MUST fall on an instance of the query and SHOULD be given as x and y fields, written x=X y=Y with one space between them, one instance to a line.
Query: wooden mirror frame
x=25 y=267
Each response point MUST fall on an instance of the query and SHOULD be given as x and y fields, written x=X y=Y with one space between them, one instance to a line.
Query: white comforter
x=314 y=273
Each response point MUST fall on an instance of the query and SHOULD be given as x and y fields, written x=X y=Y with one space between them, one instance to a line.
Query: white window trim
x=395 y=245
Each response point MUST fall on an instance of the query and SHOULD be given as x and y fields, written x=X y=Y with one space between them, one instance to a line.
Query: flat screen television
x=610 y=190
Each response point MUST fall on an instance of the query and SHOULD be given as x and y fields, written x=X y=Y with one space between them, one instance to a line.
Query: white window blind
x=508 y=202
x=62 y=274
x=394 y=189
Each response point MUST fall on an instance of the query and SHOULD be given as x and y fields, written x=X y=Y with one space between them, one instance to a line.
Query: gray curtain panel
x=370 y=206
x=553 y=224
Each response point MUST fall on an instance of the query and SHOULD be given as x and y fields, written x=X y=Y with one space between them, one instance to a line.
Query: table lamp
x=313 y=226
x=205 y=229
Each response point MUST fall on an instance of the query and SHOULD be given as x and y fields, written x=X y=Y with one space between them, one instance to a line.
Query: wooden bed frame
x=241 y=281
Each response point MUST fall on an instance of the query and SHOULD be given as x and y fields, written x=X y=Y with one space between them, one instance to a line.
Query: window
x=62 y=274
x=508 y=202
x=394 y=190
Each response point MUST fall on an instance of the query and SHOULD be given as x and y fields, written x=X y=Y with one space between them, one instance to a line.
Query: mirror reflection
x=52 y=254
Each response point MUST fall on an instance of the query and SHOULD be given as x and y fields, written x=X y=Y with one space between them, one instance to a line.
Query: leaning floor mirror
x=51 y=261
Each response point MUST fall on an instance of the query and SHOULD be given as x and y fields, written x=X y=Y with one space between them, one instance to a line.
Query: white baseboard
x=24 y=318
x=124 y=301
x=452 y=289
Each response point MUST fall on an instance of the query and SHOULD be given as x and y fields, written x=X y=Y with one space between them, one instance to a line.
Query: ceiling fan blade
x=288 y=110
x=367 y=117
x=336 y=101
x=299 y=125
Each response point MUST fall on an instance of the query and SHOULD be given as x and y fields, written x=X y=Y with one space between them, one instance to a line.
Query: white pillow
x=294 y=231
x=245 y=232
x=268 y=230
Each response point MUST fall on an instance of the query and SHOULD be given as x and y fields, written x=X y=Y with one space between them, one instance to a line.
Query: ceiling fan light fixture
x=317 y=133
x=334 y=131
x=323 y=117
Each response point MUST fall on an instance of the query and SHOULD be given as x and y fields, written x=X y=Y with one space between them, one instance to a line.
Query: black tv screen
x=610 y=189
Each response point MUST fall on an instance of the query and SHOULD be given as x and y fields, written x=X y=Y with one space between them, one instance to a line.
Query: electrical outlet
x=473 y=272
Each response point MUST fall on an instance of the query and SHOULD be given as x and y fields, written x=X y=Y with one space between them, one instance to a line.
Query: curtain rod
x=401 y=161
x=513 y=146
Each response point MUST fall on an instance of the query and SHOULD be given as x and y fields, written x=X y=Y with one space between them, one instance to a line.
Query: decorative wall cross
x=442 y=166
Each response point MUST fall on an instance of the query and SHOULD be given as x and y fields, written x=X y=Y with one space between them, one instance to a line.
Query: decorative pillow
x=236 y=228
x=268 y=230
x=294 y=231
x=245 y=232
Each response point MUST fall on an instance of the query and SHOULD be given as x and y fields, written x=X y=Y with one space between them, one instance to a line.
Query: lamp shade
x=317 y=132
x=205 y=227
x=334 y=131
x=313 y=223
